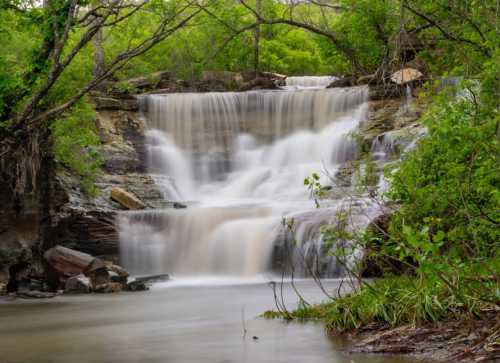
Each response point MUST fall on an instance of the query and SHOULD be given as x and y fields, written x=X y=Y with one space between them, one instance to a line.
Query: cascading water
x=238 y=160
x=310 y=81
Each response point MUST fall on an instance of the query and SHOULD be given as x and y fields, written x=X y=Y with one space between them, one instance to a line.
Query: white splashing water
x=310 y=81
x=240 y=159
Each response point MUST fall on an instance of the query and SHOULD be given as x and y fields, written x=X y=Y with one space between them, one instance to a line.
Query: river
x=181 y=321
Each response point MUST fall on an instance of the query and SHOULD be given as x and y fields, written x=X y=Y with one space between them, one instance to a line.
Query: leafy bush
x=75 y=145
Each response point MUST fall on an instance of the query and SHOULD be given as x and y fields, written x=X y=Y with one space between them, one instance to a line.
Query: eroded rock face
x=86 y=223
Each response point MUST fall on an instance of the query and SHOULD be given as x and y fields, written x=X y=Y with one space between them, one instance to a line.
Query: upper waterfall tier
x=310 y=81
x=212 y=120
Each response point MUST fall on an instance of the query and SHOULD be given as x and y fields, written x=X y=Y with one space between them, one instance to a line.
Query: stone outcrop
x=87 y=223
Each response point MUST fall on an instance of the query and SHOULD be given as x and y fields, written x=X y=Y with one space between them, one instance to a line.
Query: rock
x=126 y=199
x=120 y=271
x=178 y=205
x=110 y=103
x=114 y=277
x=137 y=286
x=108 y=288
x=343 y=82
x=151 y=81
x=222 y=76
x=153 y=278
x=382 y=92
x=71 y=262
x=406 y=75
x=77 y=285
x=99 y=277
x=30 y=294
x=259 y=83
x=3 y=288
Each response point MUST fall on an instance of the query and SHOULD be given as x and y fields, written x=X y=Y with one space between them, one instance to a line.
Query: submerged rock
x=126 y=199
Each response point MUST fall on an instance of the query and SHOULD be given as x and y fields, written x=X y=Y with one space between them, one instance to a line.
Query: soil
x=462 y=340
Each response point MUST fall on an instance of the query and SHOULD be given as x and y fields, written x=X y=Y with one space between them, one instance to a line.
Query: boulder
x=406 y=75
x=70 y=262
x=77 y=285
x=126 y=199
x=108 y=288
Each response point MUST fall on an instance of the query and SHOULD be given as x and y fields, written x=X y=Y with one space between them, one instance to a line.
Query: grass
x=400 y=300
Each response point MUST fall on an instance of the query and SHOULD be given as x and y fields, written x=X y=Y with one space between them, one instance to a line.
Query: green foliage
x=449 y=188
x=75 y=145
x=408 y=300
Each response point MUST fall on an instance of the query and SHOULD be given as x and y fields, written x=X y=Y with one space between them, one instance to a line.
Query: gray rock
x=77 y=285
x=30 y=294
x=137 y=286
x=153 y=278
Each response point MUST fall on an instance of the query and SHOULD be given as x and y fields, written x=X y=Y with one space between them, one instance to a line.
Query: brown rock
x=108 y=288
x=126 y=199
x=99 y=277
x=71 y=262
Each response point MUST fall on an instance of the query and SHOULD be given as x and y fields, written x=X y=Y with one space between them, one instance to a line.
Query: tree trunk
x=257 y=40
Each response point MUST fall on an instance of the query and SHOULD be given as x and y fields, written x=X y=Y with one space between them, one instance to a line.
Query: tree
x=68 y=27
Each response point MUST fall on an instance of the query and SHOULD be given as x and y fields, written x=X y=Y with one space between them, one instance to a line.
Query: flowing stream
x=179 y=324
x=238 y=160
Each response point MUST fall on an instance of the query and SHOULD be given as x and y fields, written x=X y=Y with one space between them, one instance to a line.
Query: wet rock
x=137 y=286
x=126 y=199
x=30 y=294
x=120 y=271
x=71 y=262
x=153 y=278
x=77 y=285
x=109 y=287
x=99 y=277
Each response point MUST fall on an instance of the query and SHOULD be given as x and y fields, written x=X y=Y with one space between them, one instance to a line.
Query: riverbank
x=463 y=340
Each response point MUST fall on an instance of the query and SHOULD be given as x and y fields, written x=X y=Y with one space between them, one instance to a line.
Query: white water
x=239 y=160
x=310 y=81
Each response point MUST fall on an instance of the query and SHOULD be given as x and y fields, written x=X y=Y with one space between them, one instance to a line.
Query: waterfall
x=239 y=161
x=309 y=81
